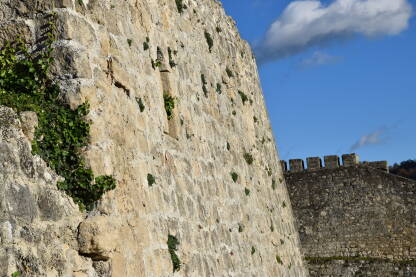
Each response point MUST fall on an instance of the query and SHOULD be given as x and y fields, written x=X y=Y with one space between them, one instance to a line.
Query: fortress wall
x=355 y=221
x=330 y=162
x=224 y=227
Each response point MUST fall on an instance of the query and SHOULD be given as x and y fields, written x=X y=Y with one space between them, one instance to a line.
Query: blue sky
x=354 y=91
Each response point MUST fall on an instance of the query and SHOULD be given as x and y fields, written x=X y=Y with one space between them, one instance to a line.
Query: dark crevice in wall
x=110 y=74
x=123 y=87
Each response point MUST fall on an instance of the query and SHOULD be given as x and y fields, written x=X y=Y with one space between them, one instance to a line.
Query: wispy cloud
x=308 y=23
x=319 y=58
x=376 y=137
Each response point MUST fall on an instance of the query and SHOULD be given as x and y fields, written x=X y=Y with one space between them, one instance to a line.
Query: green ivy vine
x=61 y=132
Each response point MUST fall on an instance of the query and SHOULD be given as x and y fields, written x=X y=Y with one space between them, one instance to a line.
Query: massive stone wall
x=355 y=220
x=122 y=57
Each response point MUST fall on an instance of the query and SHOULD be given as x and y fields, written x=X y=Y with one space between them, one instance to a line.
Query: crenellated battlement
x=330 y=162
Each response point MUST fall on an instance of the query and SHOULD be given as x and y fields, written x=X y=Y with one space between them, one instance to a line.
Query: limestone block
x=75 y=27
x=71 y=60
x=97 y=237
x=10 y=31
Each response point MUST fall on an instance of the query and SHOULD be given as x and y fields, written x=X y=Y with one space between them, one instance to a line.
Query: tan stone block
x=98 y=237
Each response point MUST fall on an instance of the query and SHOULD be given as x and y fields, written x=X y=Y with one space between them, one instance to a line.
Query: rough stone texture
x=100 y=58
x=355 y=221
x=362 y=268
x=38 y=223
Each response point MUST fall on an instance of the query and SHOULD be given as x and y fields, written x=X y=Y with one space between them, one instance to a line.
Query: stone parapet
x=314 y=163
x=296 y=165
x=331 y=162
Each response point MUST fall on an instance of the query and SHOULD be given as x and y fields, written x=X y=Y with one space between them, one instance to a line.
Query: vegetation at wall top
x=406 y=169
x=61 y=132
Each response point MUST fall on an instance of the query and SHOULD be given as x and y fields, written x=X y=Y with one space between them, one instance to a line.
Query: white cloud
x=319 y=58
x=370 y=139
x=308 y=23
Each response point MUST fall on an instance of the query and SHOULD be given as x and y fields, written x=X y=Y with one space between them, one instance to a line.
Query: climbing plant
x=62 y=131
x=169 y=104
x=209 y=39
x=173 y=243
x=234 y=176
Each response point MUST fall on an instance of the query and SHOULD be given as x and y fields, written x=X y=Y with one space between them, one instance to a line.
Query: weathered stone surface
x=355 y=221
x=38 y=223
x=364 y=268
x=29 y=122
x=98 y=237
x=101 y=58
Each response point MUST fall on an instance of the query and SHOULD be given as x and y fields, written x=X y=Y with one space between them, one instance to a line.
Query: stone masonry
x=355 y=219
x=218 y=187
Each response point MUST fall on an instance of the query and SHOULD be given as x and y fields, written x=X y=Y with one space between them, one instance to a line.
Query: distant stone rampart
x=354 y=219
x=331 y=162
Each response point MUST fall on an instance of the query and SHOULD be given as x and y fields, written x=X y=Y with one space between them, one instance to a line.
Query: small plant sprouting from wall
x=204 y=83
x=229 y=73
x=140 y=103
x=247 y=191
x=269 y=171
x=173 y=247
x=284 y=204
x=228 y=146
x=279 y=260
x=218 y=29
x=61 y=131
x=156 y=63
x=16 y=274
x=240 y=228
x=129 y=42
x=146 y=44
x=249 y=158
x=180 y=6
x=171 y=61
x=243 y=96
x=159 y=58
x=271 y=227
x=169 y=104
x=253 y=250
x=151 y=180
x=234 y=176
x=218 y=89
x=209 y=39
